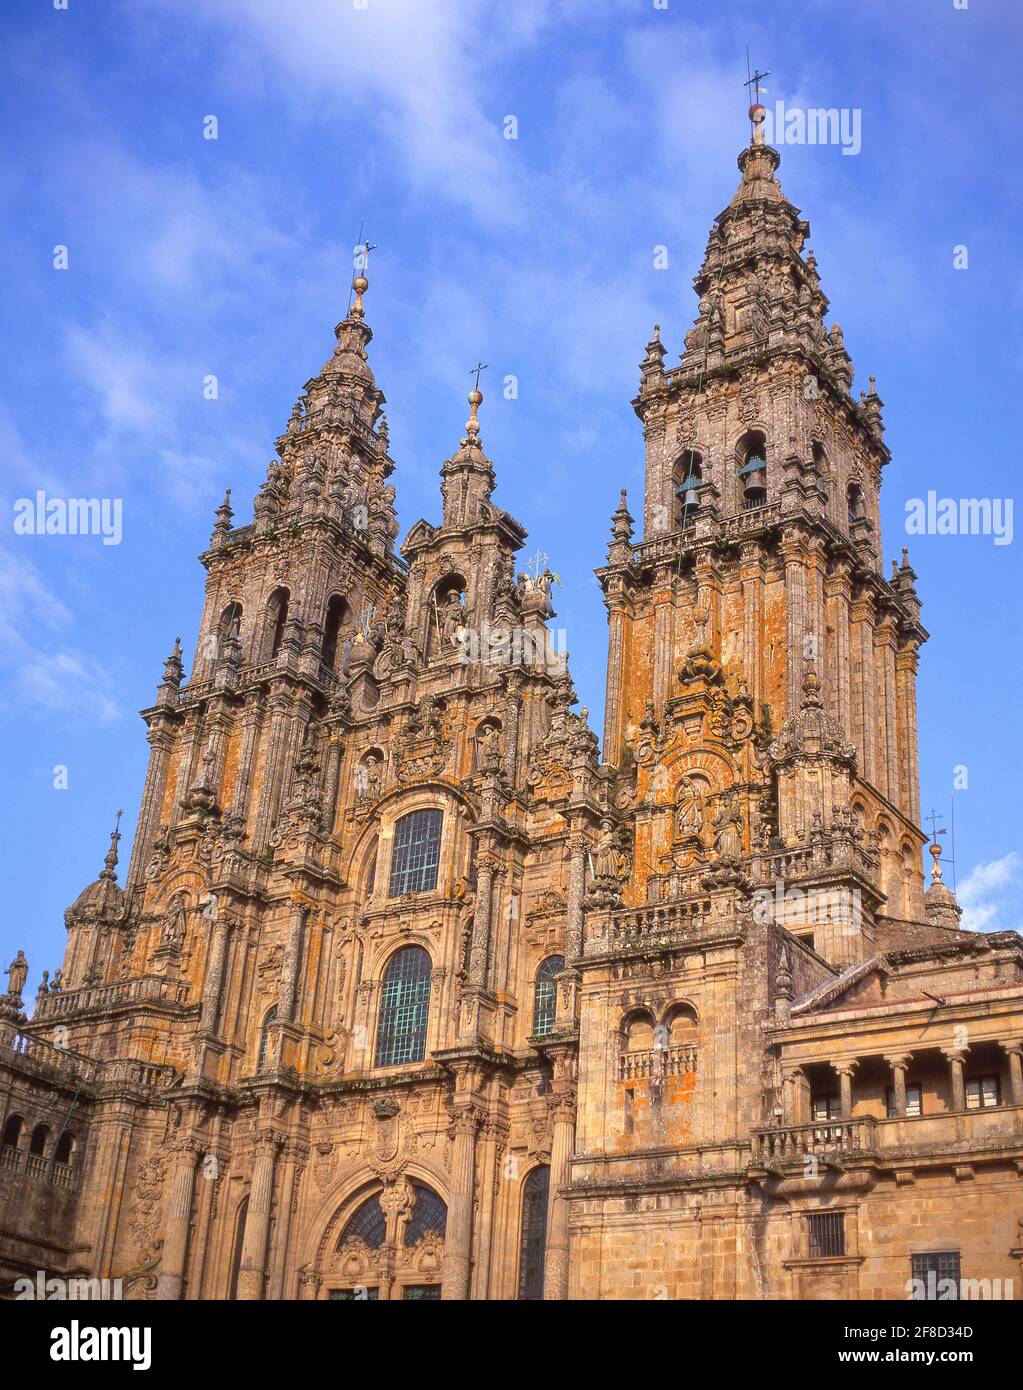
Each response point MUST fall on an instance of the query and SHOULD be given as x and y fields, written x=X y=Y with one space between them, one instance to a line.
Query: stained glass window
x=533 y=1244
x=415 y=857
x=545 y=997
x=428 y=1214
x=404 y=1008
x=368 y=1223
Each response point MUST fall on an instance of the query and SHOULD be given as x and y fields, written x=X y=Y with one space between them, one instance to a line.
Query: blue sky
x=188 y=257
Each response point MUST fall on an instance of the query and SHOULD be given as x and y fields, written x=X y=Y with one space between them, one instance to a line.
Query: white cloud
x=989 y=895
x=38 y=669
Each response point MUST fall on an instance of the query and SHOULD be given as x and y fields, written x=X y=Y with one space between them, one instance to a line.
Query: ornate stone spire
x=939 y=901
x=467 y=477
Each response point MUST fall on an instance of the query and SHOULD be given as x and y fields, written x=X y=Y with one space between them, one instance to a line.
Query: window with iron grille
x=428 y=1214
x=415 y=857
x=421 y=1293
x=264 y=1038
x=363 y=1295
x=404 y=1008
x=533 y=1244
x=914 y=1101
x=938 y=1274
x=827 y=1234
x=545 y=995
x=368 y=1224
x=981 y=1092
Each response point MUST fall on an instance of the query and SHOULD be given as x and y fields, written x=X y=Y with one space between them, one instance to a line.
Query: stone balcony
x=122 y=994
x=656 y=1062
x=958 y=1136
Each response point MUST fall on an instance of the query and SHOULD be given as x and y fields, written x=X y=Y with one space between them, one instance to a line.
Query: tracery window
x=429 y=1213
x=545 y=994
x=404 y=1008
x=415 y=857
x=533 y=1242
x=368 y=1224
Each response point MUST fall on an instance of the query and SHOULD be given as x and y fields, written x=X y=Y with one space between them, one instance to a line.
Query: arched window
x=230 y=625
x=428 y=1214
x=415 y=857
x=533 y=1242
x=752 y=458
x=37 y=1144
x=64 y=1152
x=681 y=1026
x=12 y=1131
x=276 y=619
x=404 y=1008
x=336 y=610
x=545 y=994
x=264 y=1038
x=639 y=1033
x=368 y=1224
x=688 y=477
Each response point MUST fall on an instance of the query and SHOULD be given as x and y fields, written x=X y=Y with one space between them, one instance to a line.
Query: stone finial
x=173 y=669
x=224 y=516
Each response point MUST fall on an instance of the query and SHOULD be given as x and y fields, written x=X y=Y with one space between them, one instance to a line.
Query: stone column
x=480 y=942
x=795 y=619
x=290 y=964
x=576 y=898
x=844 y=1072
x=1015 y=1055
x=252 y=1273
x=956 y=1057
x=251 y=720
x=899 y=1064
x=792 y=1080
x=176 y=1222
x=214 y=982
x=555 y=1279
x=308 y=1284
x=293 y=1168
x=752 y=578
x=457 y=1260
x=160 y=741
x=615 y=665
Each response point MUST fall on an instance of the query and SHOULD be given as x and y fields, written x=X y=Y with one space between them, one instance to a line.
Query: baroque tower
x=408 y=994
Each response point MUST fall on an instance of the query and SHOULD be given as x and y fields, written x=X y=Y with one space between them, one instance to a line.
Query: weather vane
x=754 y=79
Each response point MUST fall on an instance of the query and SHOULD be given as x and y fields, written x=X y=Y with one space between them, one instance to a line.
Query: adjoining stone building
x=410 y=994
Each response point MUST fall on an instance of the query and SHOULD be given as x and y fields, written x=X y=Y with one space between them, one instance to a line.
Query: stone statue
x=452 y=627
x=608 y=860
x=689 y=810
x=17 y=974
x=728 y=830
x=370 y=778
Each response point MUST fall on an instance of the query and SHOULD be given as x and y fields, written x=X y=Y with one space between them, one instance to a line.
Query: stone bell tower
x=758 y=658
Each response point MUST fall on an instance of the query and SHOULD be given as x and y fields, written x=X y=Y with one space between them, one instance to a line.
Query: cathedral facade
x=414 y=991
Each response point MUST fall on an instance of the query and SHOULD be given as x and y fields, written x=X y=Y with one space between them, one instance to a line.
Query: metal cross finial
x=117 y=822
x=753 y=79
x=934 y=819
x=538 y=562
x=479 y=367
x=362 y=254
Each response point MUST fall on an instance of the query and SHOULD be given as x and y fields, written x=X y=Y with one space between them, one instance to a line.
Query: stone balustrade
x=144 y=989
x=656 y=1062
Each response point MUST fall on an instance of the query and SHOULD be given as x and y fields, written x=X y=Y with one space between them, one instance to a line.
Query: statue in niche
x=172 y=931
x=452 y=614
x=488 y=748
x=689 y=809
x=370 y=777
